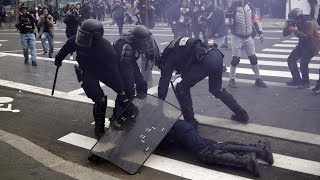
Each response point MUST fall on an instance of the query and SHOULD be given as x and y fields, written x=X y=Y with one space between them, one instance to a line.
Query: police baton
x=55 y=80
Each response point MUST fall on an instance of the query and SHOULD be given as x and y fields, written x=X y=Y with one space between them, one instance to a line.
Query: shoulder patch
x=184 y=41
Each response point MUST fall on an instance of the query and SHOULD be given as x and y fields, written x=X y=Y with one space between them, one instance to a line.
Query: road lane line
x=277 y=50
x=160 y=163
x=279 y=56
x=277 y=63
x=39 y=57
x=272 y=73
x=47 y=92
x=280 y=161
x=290 y=41
x=51 y=160
x=285 y=45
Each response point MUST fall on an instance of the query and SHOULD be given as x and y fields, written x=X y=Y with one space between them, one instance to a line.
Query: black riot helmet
x=142 y=39
x=89 y=30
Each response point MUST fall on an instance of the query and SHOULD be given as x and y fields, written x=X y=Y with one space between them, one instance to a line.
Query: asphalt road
x=287 y=117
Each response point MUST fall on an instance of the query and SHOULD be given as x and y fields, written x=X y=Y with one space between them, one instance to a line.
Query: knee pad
x=253 y=59
x=235 y=61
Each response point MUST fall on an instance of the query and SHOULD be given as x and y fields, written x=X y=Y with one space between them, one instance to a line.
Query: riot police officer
x=138 y=41
x=194 y=60
x=97 y=62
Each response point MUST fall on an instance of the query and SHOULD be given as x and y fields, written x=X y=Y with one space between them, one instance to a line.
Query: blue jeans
x=28 y=40
x=44 y=37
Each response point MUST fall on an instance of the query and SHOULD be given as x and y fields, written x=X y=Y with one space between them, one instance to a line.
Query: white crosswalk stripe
x=284 y=45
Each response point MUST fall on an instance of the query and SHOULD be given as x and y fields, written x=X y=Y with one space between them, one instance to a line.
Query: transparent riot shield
x=130 y=141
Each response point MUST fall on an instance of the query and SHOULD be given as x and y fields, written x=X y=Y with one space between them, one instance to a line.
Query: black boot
x=262 y=149
x=239 y=113
x=264 y=152
x=210 y=155
x=99 y=113
x=184 y=98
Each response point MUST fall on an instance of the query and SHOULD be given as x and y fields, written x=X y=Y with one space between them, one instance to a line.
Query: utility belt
x=201 y=51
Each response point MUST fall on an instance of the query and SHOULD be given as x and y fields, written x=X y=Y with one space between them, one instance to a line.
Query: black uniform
x=97 y=62
x=231 y=154
x=129 y=48
x=195 y=61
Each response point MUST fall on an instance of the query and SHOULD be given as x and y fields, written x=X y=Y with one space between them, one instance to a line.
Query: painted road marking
x=272 y=73
x=47 y=92
x=285 y=45
x=38 y=57
x=160 y=163
x=280 y=161
x=55 y=42
x=277 y=50
x=51 y=160
x=276 y=63
x=289 y=41
x=280 y=56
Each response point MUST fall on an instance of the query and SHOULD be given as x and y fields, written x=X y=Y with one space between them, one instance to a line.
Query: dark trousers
x=120 y=23
x=184 y=134
x=91 y=86
x=133 y=81
x=212 y=66
x=305 y=57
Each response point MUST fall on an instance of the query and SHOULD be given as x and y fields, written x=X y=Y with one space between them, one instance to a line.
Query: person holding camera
x=72 y=21
x=26 y=24
x=46 y=31
x=308 y=46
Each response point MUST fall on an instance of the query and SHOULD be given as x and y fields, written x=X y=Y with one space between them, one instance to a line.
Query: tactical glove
x=57 y=62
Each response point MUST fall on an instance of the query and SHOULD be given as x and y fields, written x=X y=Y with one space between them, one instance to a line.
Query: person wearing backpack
x=243 y=20
x=118 y=15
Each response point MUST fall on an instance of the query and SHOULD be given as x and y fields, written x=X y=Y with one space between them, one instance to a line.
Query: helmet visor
x=84 y=38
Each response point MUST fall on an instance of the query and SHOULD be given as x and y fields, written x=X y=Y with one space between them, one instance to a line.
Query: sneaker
x=26 y=61
x=224 y=69
x=260 y=84
x=34 y=63
x=304 y=85
x=50 y=56
x=293 y=83
x=316 y=89
x=45 y=53
x=232 y=83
